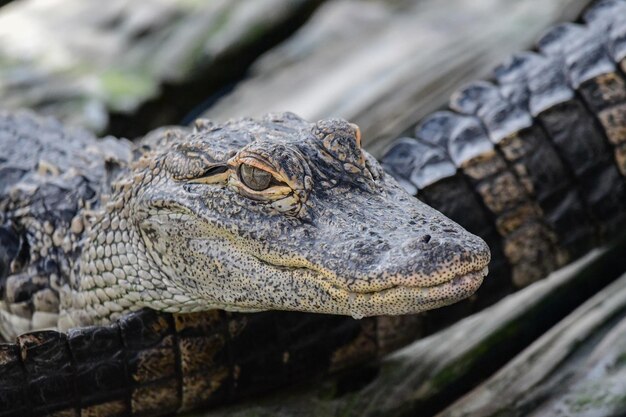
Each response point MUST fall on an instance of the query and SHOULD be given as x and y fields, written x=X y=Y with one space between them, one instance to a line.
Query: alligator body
x=246 y=216
x=543 y=148
x=270 y=214
x=535 y=163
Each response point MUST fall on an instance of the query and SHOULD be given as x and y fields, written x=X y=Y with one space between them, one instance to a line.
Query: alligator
x=104 y=243
x=269 y=214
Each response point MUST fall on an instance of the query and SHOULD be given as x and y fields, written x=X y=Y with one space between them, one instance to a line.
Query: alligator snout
x=396 y=258
x=424 y=273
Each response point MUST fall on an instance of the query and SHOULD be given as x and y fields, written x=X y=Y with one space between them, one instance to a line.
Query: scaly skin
x=186 y=228
x=535 y=164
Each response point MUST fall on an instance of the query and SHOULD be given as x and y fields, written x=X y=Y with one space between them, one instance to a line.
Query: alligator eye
x=254 y=178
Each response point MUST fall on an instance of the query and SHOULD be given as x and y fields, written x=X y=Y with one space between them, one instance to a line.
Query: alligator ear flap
x=342 y=140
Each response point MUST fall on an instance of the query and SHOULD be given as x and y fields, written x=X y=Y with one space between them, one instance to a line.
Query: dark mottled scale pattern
x=14 y=398
x=592 y=68
x=532 y=156
x=553 y=105
x=601 y=84
x=102 y=378
x=53 y=171
x=205 y=366
x=9 y=248
x=525 y=148
x=426 y=171
x=151 y=364
x=569 y=124
x=597 y=86
x=528 y=244
x=577 y=138
x=50 y=372
x=152 y=359
x=607 y=18
x=158 y=364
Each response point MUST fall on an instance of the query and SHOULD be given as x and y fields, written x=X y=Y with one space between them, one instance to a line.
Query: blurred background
x=121 y=67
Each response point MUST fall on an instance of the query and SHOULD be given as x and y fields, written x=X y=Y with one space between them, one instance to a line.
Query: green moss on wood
x=123 y=89
x=462 y=365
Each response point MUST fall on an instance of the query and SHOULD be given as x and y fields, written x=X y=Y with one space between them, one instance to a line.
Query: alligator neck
x=115 y=274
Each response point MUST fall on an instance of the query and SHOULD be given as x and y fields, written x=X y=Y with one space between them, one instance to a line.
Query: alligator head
x=279 y=214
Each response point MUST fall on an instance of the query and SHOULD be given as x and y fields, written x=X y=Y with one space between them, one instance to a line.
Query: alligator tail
x=535 y=160
x=159 y=364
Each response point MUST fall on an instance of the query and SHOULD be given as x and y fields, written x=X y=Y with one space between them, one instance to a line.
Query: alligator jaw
x=400 y=299
x=403 y=299
x=397 y=300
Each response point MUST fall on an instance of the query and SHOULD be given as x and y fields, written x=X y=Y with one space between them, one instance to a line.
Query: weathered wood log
x=384 y=65
x=431 y=373
x=576 y=369
x=420 y=378
x=125 y=67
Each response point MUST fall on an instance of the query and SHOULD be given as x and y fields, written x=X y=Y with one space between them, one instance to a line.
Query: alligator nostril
x=425 y=238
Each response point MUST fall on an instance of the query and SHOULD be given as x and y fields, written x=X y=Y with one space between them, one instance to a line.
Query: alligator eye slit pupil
x=255 y=178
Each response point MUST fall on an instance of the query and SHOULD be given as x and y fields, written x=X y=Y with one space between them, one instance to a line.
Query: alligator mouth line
x=454 y=281
x=404 y=299
x=394 y=300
